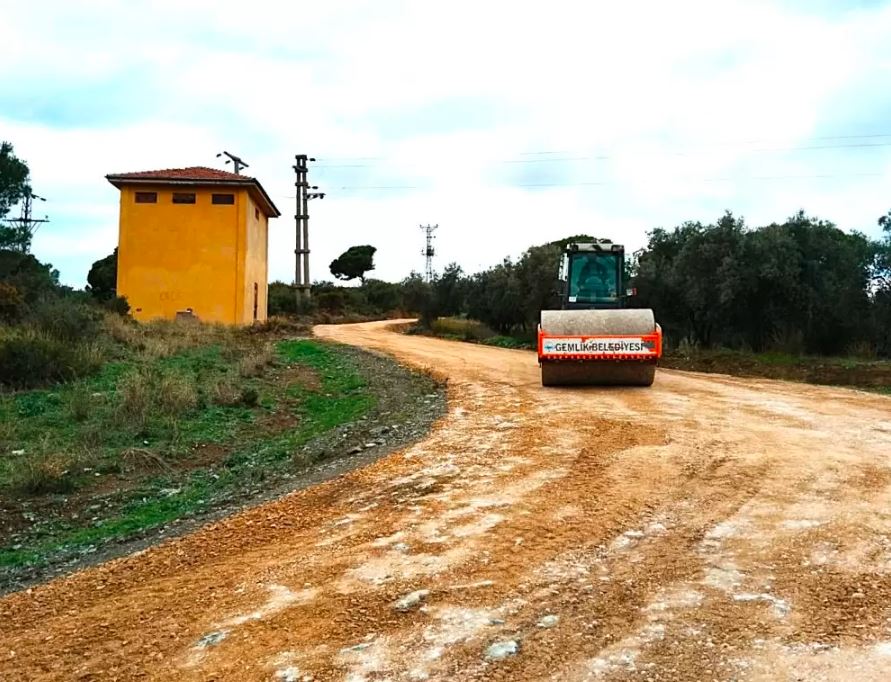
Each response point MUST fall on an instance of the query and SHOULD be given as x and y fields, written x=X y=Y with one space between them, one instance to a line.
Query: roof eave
x=248 y=183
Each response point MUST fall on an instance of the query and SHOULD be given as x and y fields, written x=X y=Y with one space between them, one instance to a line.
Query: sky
x=507 y=123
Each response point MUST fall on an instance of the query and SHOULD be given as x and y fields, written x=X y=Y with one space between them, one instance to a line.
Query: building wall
x=173 y=257
x=256 y=265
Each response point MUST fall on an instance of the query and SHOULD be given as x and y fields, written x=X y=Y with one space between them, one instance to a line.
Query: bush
x=45 y=474
x=143 y=393
x=67 y=320
x=12 y=303
x=29 y=360
x=134 y=399
x=255 y=363
x=466 y=330
x=176 y=394
x=119 y=305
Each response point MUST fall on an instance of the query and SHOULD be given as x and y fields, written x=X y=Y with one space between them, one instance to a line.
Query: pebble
x=548 y=621
x=411 y=600
x=500 y=650
x=212 y=638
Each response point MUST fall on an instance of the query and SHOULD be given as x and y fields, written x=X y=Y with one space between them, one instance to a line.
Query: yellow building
x=193 y=240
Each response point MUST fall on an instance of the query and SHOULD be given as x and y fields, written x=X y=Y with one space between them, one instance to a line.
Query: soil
x=812 y=370
x=707 y=528
x=398 y=393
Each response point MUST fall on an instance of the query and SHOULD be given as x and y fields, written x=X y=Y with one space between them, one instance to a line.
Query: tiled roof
x=198 y=175
x=192 y=173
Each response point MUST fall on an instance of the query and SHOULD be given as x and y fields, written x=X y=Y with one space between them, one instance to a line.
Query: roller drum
x=594 y=322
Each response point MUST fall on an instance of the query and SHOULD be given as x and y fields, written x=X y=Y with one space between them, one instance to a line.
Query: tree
x=353 y=263
x=417 y=297
x=103 y=276
x=33 y=279
x=14 y=179
x=450 y=291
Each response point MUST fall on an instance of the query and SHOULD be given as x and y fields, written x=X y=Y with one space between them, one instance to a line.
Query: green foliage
x=802 y=285
x=282 y=299
x=450 y=291
x=35 y=280
x=496 y=297
x=14 y=178
x=418 y=298
x=382 y=297
x=12 y=303
x=354 y=263
x=67 y=320
x=102 y=279
x=29 y=359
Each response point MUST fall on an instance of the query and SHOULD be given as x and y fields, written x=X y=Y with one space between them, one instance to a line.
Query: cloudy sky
x=508 y=123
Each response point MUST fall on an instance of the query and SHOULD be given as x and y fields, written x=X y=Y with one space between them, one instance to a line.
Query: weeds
x=42 y=474
x=80 y=403
x=176 y=394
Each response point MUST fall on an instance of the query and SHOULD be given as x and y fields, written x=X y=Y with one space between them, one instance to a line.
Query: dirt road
x=707 y=528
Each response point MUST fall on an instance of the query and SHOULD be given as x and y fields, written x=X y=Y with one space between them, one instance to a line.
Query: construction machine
x=595 y=339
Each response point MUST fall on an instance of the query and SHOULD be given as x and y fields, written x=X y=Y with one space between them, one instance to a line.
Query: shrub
x=42 y=474
x=29 y=360
x=12 y=303
x=225 y=393
x=176 y=394
x=118 y=305
x=67 y=320
x=255 y=363
x=134 y=398
x=468 y=330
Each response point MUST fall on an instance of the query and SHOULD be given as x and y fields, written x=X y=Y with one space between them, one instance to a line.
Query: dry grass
x=134 y=398
x=45 y=473
x=255 y=362
x=141 y=459
x=227 y=393
x=164 y=338
x=466 y=330
x=176 y=394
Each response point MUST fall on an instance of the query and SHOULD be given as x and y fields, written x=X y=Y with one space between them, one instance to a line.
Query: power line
x=584 y=156
x=594 y=183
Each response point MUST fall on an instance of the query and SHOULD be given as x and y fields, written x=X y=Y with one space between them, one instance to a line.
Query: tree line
x=799 y=286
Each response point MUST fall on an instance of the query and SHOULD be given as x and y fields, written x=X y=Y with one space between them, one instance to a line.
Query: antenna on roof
x=236 y=161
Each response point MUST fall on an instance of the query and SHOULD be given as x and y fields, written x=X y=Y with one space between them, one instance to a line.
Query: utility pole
x=236 y=161
x=302 y=282
x=428 y=251
x=25 y=226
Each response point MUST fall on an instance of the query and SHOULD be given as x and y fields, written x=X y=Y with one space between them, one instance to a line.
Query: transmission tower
x=428 y=251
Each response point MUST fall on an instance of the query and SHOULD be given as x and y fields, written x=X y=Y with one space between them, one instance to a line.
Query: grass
x=462 y=329
x=144 y=416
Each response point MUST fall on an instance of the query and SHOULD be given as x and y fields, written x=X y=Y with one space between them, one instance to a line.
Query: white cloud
x=683 y=98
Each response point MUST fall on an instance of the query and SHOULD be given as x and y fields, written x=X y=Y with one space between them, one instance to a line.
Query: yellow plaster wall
x=256 y=261
x=177 y=256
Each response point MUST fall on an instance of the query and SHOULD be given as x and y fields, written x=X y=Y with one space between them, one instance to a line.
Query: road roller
x=596 y=339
